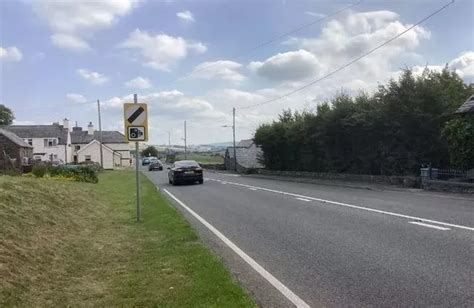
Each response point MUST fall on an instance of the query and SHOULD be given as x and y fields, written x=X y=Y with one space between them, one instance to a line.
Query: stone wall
x=213 y=166
x=404 y=181
x=448 y=186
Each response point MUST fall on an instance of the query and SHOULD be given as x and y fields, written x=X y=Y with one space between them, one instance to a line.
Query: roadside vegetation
x=65 y=243
x=405 y=123
x=204 y=158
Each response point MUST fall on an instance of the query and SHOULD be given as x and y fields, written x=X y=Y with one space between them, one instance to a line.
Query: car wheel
x=201 y=181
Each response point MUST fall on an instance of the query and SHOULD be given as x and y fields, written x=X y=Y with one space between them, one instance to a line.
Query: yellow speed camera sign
x=136 y=121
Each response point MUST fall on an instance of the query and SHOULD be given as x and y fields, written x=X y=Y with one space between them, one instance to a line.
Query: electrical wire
x=350 y=62
x=274 y=39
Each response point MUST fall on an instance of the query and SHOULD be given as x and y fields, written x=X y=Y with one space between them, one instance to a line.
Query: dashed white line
x=304 y=199
x=253 y=189
x=351 y=206
x=429 y=226
x=295 y=299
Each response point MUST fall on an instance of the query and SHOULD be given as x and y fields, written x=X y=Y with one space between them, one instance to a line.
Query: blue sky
x=188 y=59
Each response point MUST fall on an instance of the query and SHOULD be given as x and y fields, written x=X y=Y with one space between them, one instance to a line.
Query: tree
x=6 y=115
x=391 y=132
x=150 y=151
x=460 y=135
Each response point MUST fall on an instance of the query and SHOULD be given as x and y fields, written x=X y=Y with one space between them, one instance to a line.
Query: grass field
x=204 y=158
x=77 y=244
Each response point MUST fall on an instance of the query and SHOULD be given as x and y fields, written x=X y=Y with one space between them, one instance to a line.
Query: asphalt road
x=328 y=246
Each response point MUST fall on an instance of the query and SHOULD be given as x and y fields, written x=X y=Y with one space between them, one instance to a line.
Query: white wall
x=59 y=150
x=110 y=159
x=122 y=148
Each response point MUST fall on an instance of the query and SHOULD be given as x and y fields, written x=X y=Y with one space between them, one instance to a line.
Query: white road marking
x=253 y=189
x=352 y=206
x=295 y=299
x=303 y=199
x=429 y=226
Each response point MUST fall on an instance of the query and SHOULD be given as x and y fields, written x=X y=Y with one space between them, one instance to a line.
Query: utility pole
x=169 y=139
x=185 y=143
x=100 y=136
x=137 y=175
x=233 y=133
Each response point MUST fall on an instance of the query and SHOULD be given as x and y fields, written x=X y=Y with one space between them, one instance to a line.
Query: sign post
x=136 y=129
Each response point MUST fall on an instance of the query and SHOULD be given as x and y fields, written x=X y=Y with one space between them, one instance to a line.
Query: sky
x=196 y=60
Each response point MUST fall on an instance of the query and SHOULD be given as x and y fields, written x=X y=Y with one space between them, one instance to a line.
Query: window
x=29 y=141
x=87 y=158
x=77 y=147
x=50 y=142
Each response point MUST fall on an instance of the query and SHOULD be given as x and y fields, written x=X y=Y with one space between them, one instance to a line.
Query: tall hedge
x=391 y=132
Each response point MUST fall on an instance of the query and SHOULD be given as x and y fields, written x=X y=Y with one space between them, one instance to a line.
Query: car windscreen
x=186 y=164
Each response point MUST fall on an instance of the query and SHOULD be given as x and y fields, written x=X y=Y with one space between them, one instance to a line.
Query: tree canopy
x=150 y=151
x=6 y=115
x=391 y=132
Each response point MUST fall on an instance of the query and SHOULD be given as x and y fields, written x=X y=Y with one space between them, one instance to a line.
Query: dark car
x=145 y=161
x=185 y=171
x=155 y=165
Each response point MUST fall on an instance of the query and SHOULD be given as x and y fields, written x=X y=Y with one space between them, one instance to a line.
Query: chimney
x=66 y=123
x=90 y=129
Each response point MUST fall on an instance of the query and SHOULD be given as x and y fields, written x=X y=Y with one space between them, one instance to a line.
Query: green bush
x=39 y=170
x=77 y=173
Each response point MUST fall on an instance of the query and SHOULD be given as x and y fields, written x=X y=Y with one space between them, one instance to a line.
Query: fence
x=449 y=174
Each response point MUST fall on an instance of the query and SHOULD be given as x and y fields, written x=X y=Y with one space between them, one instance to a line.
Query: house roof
x=246 y=157
x=467 y=106
x=245 y=143
x=40 y=131
x=14 y=138
x=82 y=137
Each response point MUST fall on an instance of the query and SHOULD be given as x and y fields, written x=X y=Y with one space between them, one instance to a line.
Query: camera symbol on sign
x=136 y=133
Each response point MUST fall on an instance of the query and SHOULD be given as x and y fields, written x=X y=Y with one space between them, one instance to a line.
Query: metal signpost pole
x=100 y=136
x=185 y=143
x=233 y=133
x=137 y=175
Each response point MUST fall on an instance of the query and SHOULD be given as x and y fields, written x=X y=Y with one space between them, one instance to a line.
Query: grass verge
x=205 y=158
x=77 y=244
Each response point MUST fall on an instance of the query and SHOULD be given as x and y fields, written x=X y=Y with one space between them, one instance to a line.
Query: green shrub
x=39 y=170
x=86 y=174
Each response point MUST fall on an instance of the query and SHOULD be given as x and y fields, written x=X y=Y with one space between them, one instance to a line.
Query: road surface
x=294 y=244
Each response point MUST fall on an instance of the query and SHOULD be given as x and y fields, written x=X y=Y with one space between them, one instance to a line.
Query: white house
x=91 y=152
x=49 y=142
x=85 y=146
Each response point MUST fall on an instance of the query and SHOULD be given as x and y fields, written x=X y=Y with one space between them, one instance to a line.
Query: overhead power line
x=275 y=39
x=350 y=62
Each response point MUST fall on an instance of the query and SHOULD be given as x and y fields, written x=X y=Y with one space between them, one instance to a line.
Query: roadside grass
x=205 y=158
x=77 y=244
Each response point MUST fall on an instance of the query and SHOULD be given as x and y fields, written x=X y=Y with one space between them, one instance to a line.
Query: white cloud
x=160 y=51
x=186 y=16
x=138 y=83
x=10 y=54
x=314 y=14
x=463 y=64
x=172 y=104
x=222 y=69
x=293 y=65
x=93 y=77
x=70 y=42
x=76 y=98
x=340 y=41
x=74 y=22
